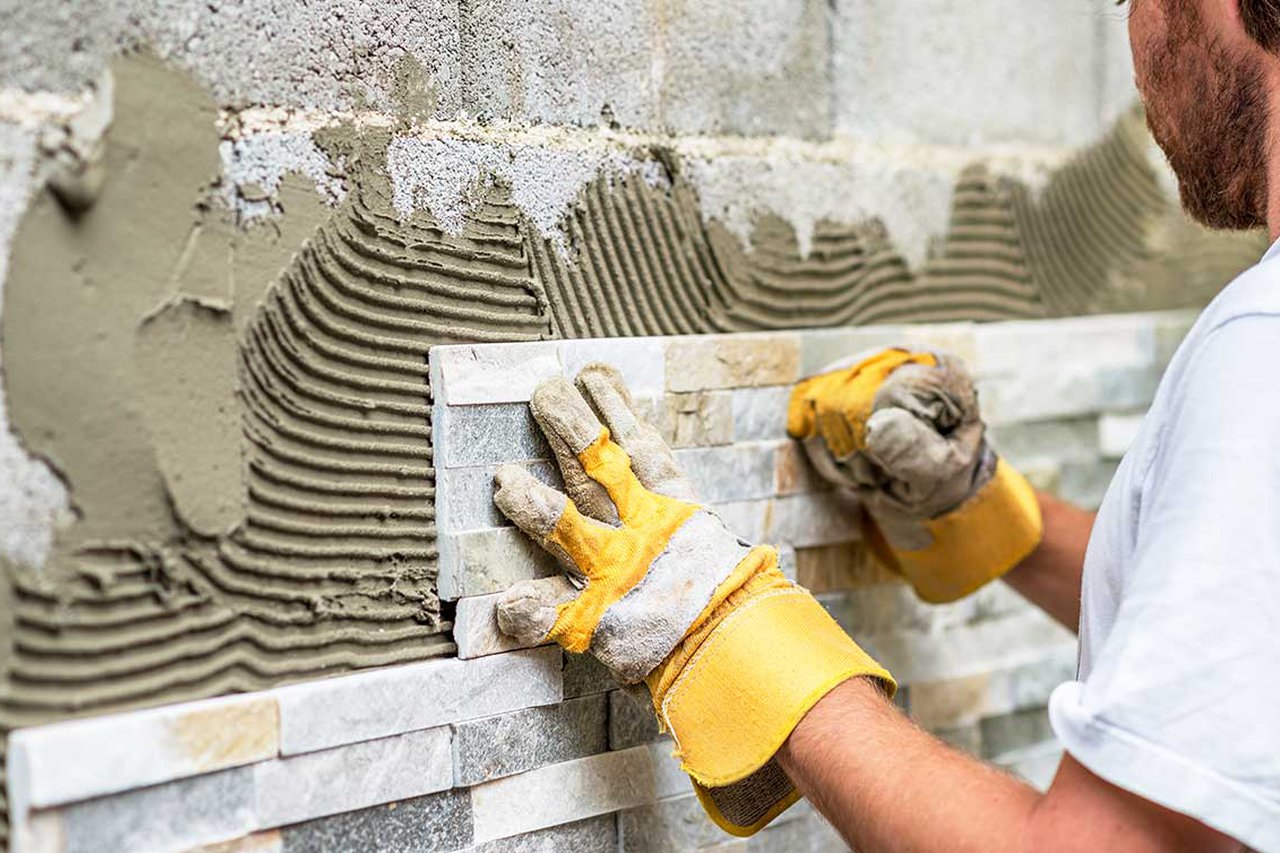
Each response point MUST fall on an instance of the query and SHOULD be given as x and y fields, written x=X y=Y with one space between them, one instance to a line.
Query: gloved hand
x=902 y=431
x=733 y=654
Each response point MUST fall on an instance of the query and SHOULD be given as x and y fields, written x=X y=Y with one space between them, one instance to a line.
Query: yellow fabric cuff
x=746 y=688
x=977 y=542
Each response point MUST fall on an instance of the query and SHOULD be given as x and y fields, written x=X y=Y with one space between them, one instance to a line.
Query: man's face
x=1206 y=107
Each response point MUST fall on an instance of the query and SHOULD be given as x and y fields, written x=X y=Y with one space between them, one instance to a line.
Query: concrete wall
x=231 y=232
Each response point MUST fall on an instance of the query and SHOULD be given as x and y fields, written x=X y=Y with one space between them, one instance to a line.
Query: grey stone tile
x=467 y=436
x=464 y=496
x=172 y=816
x=493 y=747
x=594 y=835
x=302 y=787
x=584 y=675
x=631 y=719
x=438 y=822
x=669 y=826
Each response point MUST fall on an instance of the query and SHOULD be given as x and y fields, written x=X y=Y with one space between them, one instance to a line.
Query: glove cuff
x=735 y=701
x=976 y=542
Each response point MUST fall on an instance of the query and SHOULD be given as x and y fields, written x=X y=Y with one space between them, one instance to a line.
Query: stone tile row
x=136 y=749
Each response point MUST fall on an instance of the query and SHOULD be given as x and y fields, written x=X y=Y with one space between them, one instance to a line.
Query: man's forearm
x=1050 y=576
x=888 y=786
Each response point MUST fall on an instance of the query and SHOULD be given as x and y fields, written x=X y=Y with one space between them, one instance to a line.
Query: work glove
x=732 y=653
x=902 y=431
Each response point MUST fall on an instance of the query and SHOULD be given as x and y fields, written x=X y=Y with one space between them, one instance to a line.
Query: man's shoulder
x=1254 y=292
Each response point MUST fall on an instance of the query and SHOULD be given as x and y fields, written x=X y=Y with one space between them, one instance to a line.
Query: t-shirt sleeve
x=1182 y=703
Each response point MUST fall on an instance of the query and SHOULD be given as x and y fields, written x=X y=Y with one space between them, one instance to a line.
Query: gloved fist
x=733 y=654
x=902 y=431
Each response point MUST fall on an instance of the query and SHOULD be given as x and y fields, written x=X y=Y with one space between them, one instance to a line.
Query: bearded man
x=1172 y=725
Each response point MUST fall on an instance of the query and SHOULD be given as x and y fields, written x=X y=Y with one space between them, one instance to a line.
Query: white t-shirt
x=1178 y=690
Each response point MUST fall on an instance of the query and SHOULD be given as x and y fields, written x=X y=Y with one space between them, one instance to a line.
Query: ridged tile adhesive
x=242 y=414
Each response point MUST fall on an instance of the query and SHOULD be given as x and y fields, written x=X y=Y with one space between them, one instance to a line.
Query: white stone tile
x=760 y=414
x=737 y=472
x=639 y=360
x=1036 y=370
x=475 y=628
x=821 y=348
x=983 y=646
x=479 y=562
x=468 y=375
x=574 y=790
x=379 y=703
x=302 y=787
x=80 y=759
x=1116 y=433
x=804 y=521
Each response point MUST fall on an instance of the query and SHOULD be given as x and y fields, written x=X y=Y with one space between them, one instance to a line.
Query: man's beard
x=1208 y=112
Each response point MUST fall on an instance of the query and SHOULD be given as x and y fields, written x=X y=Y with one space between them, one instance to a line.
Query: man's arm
x=888 y=786
x=1050 y=576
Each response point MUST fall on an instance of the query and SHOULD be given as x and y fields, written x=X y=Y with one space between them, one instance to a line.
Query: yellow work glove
x=902 y=431
x=733 y=654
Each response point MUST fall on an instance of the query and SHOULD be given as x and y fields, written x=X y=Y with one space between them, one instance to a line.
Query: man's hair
x=1262 y=22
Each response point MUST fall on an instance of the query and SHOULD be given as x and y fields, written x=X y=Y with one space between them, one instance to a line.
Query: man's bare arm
x=1050 y=576
x=888 y=786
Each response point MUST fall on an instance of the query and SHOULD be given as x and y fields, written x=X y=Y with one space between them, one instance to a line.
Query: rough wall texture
x=228 y=255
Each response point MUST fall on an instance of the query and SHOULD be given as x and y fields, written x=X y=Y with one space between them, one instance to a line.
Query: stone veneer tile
x=330 y=712
x=584 y=675
x=695 y=419
x=737 y=472
x=1035 y=370
x=120 y=752
x=732 y=361
x=467 y=436
x=760 y=414
x=479 y=562
x=466 y=495
x=468 y=375
x=639 y=360
x=594 y=835
x=303 y=787
x=173 y=816
x=475 y=628
x=631 y=720
x=436 y=822
x=821 y=348
x=503 y=745
x=573 y=790
x=914 y=656
x=803 y=521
